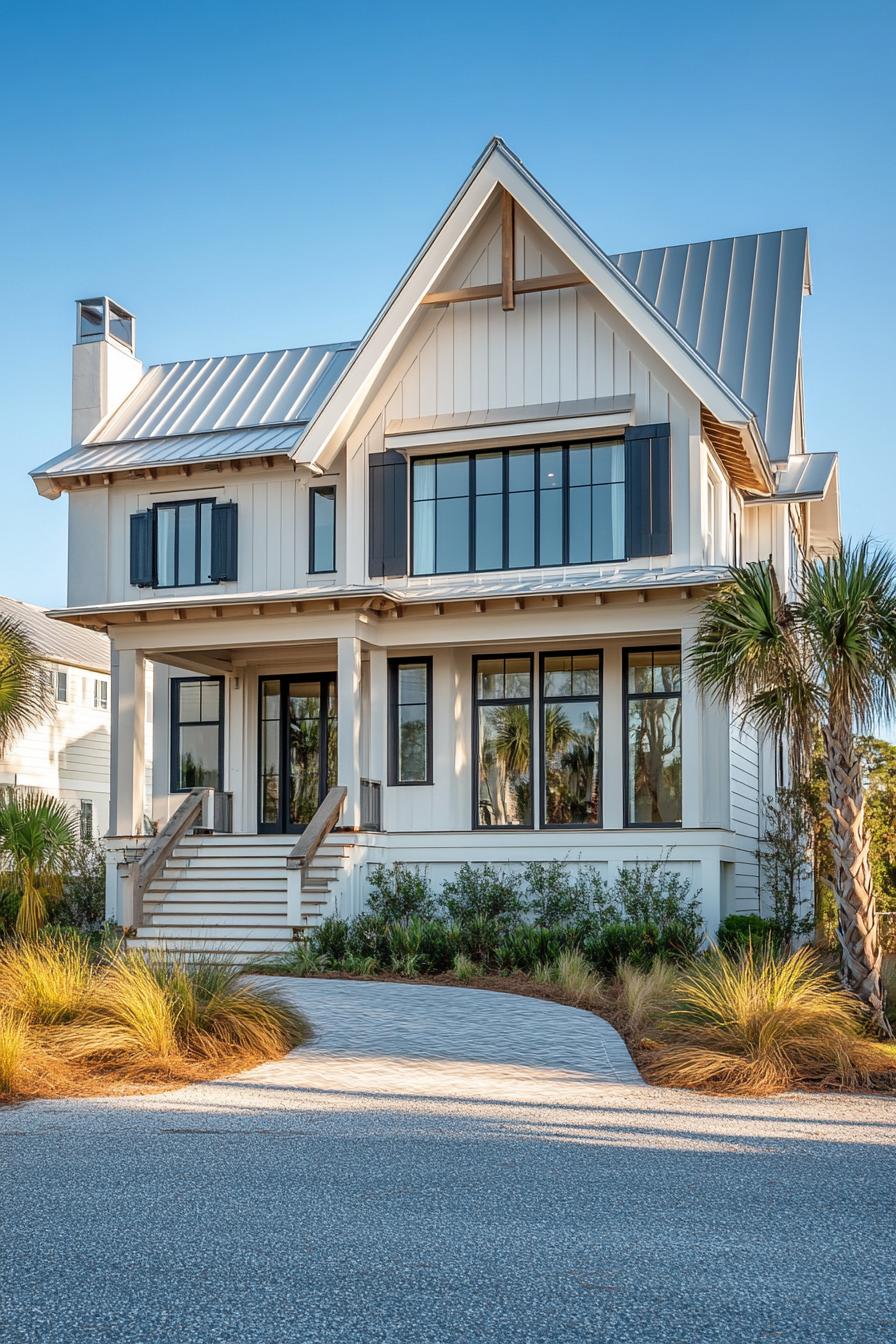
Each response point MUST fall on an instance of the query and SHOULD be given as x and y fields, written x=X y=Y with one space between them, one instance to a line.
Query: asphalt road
x=447 y=1165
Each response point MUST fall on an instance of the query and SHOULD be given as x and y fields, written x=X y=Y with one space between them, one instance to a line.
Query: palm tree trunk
x=858 y=930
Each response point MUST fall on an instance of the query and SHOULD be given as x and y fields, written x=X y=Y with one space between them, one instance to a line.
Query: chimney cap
x=104 y=320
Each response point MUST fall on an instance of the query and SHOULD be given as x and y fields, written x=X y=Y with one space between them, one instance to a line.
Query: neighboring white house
x=454 y=568
x=66 y=755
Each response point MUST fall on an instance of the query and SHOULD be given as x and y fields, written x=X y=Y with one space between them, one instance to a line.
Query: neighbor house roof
x=738 y=302
x=56 y=642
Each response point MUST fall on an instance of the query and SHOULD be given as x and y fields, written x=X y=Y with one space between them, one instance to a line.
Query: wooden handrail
x=318 y=828
x=160 y=847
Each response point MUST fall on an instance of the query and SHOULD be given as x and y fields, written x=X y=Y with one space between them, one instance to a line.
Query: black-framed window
x=502 y=740
x=182 y=545
x=85 y=819
x=410 y=720
x=197 y=733
x=322 y=555
x=557 y=504
x=652 y=682
x=100 y=693
x=571 y=738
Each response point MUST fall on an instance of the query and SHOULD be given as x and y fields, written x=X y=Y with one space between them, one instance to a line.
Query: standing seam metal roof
x=738 y=303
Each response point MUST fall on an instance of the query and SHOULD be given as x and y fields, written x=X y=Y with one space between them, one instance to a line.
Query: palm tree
x=37 y=836
x=824 y=659
x=24 y=692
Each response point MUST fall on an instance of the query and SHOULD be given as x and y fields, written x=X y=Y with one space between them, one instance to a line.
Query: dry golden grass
x=759 y=1025
x=69 y=1026
x=576 y=978
x=636 y=1000
x=45 y=980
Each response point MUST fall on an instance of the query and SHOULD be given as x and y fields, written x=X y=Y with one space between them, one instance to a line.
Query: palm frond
x=24 y=691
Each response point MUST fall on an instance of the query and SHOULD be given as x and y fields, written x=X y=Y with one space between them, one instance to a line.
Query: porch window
x=323 y=530
x=183 y=544
x=410 y=721
x=558 y=504
x=502 y=689
x=85 y=819
x=100 y=693
x=197 y=733
x=653 y=741
x=570 y=693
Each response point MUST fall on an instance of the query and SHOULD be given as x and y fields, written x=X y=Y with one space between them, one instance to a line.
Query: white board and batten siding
x=560 y=345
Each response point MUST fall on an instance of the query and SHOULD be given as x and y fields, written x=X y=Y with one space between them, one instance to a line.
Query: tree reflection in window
x=504 y=740
x=653 y=712
x=571 y=739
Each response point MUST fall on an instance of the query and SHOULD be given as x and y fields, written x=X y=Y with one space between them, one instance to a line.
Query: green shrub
x=634 y=943
x=368 y=936
x=556 y=897
x=82 y=905
x=483 y=892
x=399 y=893
x=437 y=946
x=329 y=942
x=523 y=948
x=737 y=932
x=648 y=893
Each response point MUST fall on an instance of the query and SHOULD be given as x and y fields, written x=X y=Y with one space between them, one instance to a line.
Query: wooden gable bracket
x=510 y=286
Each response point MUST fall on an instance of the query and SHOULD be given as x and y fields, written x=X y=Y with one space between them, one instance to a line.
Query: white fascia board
x=497 y=167
x=565 y=428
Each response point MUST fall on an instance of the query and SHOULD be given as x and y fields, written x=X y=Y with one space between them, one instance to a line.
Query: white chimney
x=104 y=367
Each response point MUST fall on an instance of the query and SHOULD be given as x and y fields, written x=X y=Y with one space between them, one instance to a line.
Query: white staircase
x=226 y=895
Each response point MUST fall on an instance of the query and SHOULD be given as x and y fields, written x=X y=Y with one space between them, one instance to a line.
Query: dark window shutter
x=224 y=542
x=648 y=504
x=141 y=549
x=388 y=492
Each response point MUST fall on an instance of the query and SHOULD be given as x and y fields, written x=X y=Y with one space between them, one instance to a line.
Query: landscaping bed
x=75 y=1022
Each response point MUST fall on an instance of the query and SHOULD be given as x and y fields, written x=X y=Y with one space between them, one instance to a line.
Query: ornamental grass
x=74 y=1025
x=758 y=1024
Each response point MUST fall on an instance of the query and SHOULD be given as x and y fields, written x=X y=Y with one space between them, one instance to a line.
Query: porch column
x=127 y=742
x=348 y=673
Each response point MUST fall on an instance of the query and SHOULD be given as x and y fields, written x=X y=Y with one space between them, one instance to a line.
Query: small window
x=100 y=693
x=712 y=490
x=183 y=544
x=323 y=529
x=197 y=733
x=653 y=737
x=86 y=819
x=62 y=686
x=410 y=721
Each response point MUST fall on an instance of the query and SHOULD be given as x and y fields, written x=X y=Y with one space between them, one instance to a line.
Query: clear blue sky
x=251 y=176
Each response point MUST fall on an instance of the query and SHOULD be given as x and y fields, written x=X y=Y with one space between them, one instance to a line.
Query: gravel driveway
x=446 y=1165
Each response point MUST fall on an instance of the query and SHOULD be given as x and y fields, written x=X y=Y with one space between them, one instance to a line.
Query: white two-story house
x=436 y=588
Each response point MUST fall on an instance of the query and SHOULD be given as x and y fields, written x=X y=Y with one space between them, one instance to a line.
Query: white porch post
x=379 y=715
x=128 y=734
x=348 y=673
x=691 y=740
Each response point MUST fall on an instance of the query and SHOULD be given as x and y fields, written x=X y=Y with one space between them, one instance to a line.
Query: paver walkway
x=452 y=1166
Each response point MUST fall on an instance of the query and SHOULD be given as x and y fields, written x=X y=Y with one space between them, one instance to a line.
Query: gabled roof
x=724 y=315
x=58 y=643
x=738 y=303
x=498 y=168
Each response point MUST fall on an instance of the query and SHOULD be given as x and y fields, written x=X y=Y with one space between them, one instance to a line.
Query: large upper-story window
x=520 y=508
x=653 y=745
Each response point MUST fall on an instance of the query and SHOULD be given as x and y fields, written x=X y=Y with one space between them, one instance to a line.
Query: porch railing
x=196 y=807
x=371 y=805
x=317 y=830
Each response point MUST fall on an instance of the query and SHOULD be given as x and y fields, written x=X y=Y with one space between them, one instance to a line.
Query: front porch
x=273 y=712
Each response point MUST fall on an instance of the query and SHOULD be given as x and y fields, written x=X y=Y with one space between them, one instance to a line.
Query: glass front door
x=297 y=749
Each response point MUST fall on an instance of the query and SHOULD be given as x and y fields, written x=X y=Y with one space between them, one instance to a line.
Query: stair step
x=264 y=909
x=223 y=884
x=218 y=920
